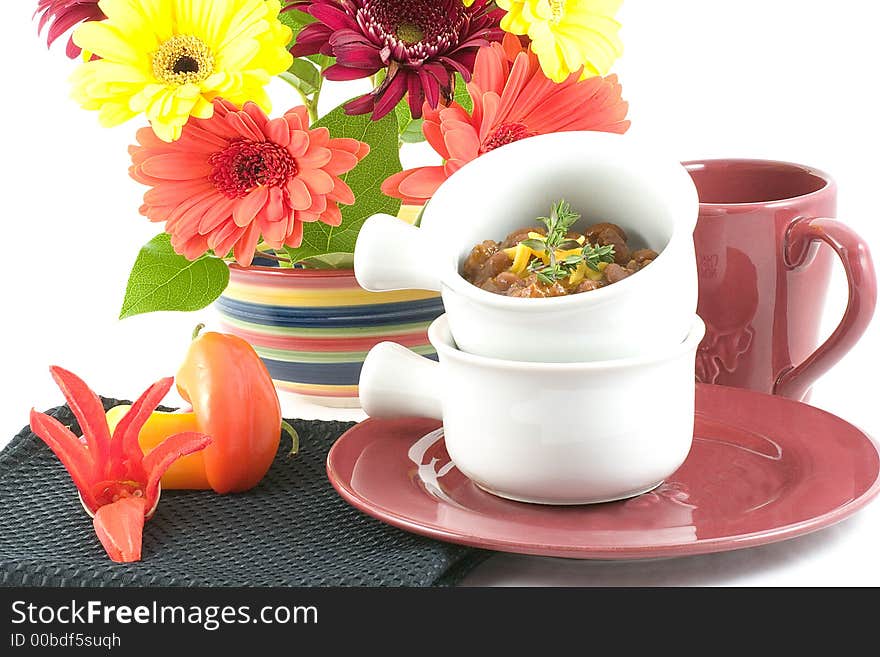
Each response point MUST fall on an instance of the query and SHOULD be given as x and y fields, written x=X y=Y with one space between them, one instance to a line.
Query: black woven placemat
x=291 y=530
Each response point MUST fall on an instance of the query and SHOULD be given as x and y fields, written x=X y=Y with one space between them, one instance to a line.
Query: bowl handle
x=391 y=254
x=396 y=382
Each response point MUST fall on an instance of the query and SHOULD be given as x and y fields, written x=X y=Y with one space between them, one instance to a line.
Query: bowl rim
x=451 y=278
x=443 y=342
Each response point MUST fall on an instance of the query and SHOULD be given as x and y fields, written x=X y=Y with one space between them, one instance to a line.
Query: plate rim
x=631 y=552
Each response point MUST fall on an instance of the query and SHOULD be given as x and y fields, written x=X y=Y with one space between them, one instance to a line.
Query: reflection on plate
x=761 y=469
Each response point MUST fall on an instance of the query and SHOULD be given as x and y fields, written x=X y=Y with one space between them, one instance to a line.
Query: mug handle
x=396 y=382
x=801 y=237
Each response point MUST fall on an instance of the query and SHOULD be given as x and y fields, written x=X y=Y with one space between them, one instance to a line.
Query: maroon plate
x=762 y=469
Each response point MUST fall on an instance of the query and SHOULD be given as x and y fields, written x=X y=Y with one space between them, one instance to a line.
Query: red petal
x=332 y=216
x=341 y=162
x=246 y=245
x=422 y=182
x=166 y=453
x=318 y=181
x=66 y=18
x=248 y=207
x=340 y=73
x=390 y=95
x=332 y=17
x=295 y=238
x=278 y=131
x=70 y=451
x=360 y=105
x=311 y=40
x=89 y=412
x=341 y=193
x=126 y=455
x=300 y=198
x=345 y=144
x=415 y=93
x=120 y=528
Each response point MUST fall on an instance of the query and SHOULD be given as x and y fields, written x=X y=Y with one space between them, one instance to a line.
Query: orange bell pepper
x=187 y=472
x=234 y=401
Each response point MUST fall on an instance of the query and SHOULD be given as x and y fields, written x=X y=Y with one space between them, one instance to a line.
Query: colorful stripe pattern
x=313 y=328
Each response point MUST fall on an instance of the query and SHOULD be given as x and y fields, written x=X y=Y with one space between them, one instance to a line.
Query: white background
x=788 y=79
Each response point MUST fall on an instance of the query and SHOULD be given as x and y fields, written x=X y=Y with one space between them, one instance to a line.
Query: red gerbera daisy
x=418 y=43
x=238 y=176
x=63 y=15
x=513 y=99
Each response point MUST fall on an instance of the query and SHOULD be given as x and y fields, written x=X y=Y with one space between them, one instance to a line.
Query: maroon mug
x=763 y=275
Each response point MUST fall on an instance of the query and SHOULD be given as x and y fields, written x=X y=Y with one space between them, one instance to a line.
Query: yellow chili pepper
x=187 y=472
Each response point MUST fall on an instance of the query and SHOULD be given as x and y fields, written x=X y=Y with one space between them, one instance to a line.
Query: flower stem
x=310 y=101
x=312 y=105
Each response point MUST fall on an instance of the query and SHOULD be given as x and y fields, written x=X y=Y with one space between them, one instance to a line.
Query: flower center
x=245 y=165
x=506 y=133
x=107 y=492
x=557 y=10
x=411 y=31
x=183 y=59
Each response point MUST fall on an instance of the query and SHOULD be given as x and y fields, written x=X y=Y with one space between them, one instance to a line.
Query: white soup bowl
x=549 y=433
x=605 y=177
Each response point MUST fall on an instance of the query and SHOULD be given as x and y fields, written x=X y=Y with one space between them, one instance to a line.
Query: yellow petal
x=113 y=114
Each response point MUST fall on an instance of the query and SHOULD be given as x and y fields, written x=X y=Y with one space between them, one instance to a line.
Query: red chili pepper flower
x=116 y=482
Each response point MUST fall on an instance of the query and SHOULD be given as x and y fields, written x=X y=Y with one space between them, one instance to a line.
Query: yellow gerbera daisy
x=170 y=58
x=567 y=34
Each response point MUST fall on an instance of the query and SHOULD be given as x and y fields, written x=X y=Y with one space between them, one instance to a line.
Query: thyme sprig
x=561 y=219
x=593 y=255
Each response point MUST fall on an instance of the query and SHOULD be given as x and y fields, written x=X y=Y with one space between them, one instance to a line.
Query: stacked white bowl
x=561 y=400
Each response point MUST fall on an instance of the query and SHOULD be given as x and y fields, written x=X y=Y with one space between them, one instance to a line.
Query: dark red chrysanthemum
x=419 y=44
x=63 y=15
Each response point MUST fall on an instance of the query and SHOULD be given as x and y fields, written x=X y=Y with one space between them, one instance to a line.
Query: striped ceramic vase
x=313 y=328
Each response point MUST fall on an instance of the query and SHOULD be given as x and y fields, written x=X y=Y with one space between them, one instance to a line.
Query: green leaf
x=410 y=129
x=164 y=280
x=535 y=245
x=321 y=61
x=365 y=181
x=461 y=96
x=330 y=261
x=296 y=20
x=303 y=75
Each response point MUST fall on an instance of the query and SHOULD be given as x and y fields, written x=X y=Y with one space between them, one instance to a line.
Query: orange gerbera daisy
x=513 y=99
x=238 y=177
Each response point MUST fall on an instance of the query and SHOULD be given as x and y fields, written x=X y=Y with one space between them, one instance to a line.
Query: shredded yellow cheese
x=521 y=256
